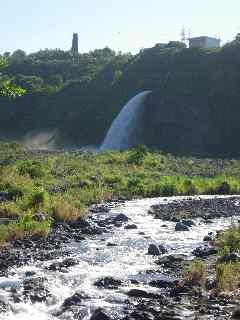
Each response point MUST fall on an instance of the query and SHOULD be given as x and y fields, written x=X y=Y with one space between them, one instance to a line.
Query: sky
x=123 y=25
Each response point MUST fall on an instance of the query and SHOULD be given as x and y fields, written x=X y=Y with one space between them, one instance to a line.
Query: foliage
x=229 y=241
x=228 y=276
x=82 y=96
x=6 y=87
x=196 y=273
x=64 y=184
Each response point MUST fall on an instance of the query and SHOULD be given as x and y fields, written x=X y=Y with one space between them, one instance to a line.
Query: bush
x=189 y=188
x=230 y=240
x=34 y=169
x=196 y=273
x=227 y=276
x=223 y=188
x=38 y=198
x=138 y=155
x=64 y=211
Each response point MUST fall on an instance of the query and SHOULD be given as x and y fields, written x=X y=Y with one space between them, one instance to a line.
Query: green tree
x=6 y=87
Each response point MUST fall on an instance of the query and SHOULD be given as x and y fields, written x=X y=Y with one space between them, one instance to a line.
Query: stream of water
x=127 y=260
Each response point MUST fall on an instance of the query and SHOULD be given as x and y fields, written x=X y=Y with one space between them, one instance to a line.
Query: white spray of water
x=124 y=132
x=43 y=140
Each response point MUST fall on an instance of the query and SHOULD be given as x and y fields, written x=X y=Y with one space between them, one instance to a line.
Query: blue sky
x=123 y=25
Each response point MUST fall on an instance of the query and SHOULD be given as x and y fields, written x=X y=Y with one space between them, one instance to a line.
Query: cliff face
x=194 y=106
x=192 y=125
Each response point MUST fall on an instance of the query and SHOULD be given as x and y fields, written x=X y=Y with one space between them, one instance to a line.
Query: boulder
x=137 y=293
x=34 y=289
x=108 y=283
x=153 y=250
x=169 y=261
x=130 y=227
x=74 y=300
x=231 y=257
x=202 y=252
x=181 y=227
x=164 y=283
x=236 y=313
x=188 y=223
x=120 y=218
x=39 y=217
x=99 y=314
x=4 y=221
x=59 y=266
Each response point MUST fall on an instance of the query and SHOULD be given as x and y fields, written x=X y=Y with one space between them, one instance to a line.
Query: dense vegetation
x=80 y=95
x=63 y=185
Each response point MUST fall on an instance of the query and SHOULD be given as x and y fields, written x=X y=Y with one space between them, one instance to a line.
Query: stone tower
x=75 y=43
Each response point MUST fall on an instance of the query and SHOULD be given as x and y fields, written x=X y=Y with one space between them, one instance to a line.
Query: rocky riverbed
x=126 y=261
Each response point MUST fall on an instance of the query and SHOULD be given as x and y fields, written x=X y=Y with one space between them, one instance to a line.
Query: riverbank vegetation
x=39 y=188
x=227 y=268
x=62 y=185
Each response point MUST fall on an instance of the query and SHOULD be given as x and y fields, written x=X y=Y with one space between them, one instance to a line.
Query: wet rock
x=99 y=314
x=99 y=208
x=5 y=221
x=137 y=293
x=231 y=257
x=108 y=283
x=120 y=218
x=236 y=313
x=188 y=223
x=162 y=249
x=130 y=227
x=164 y=283
x=210 y=284
x=202 y=252
x=59 y=266
x=153 y=250
x=109 y=244
x=207 y=238
x=4 y=305
x=181 y=227
x=34 y=290
x=169 y=261
x=6 y=196
x=39 y=217
x=93 y=230
x=74 y=300
x=79 y=224
x=29 y=274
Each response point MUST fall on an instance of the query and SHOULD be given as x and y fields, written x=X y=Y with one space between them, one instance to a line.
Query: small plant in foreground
x=227 y=276
x=230 y=240
x=196 y=273
x=64 y=211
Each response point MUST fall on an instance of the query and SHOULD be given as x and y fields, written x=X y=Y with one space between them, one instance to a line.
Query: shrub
x=227 y=276
x=64 y=211
x=25 y=227
x=223 y=188
x=189 y=188
x=33 y=168
x=138 y=154
x=38 y=198
x=230 y=240
x=168 y=190
x=196 y=273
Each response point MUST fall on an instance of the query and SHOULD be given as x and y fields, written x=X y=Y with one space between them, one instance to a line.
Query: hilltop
x=193 y=108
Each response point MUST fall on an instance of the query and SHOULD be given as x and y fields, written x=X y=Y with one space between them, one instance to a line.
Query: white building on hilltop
x=204 y=42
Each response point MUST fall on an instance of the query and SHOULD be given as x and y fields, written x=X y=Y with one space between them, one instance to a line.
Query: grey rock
x=181 y=227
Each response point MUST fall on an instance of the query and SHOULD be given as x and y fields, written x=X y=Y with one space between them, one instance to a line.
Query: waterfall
x=126 y=130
